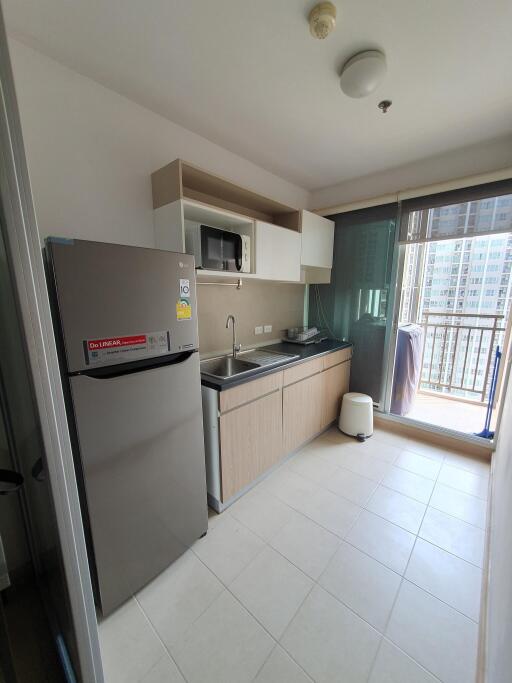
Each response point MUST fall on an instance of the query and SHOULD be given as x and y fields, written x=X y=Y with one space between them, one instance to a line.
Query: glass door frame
x=390 y=348
x=24 y=252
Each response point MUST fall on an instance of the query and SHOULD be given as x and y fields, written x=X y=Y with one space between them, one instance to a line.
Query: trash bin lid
x=355 y=397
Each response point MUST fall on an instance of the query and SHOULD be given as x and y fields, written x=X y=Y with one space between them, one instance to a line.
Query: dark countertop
x=305 y=353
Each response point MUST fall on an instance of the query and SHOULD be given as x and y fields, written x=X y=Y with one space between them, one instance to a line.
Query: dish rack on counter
x=304 y=335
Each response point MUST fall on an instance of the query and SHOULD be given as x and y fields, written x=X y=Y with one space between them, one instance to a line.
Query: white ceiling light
x=363 y=73
x=322 y=19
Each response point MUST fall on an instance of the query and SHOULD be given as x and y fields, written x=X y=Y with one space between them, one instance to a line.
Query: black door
x=37 y=641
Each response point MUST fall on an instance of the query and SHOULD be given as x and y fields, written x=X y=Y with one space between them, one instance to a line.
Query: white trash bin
x=356 y=415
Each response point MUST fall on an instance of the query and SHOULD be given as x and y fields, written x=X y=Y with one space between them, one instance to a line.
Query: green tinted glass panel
x=356 y=304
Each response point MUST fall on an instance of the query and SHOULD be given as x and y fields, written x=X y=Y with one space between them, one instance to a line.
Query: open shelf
x=212 y=215
x=181 y=180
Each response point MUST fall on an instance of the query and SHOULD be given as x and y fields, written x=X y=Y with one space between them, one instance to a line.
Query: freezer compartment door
x=120 y=304
x=142 y=456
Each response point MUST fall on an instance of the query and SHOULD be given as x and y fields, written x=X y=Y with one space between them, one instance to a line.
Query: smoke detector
x=322 y=20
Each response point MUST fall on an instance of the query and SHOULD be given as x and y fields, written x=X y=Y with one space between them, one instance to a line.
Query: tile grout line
x=315 y=582
x=228 y=589
x=344 y=540
x=379 y=483
x=385 y=638
x=340 y=540
x=278 y=641
x=225 y=587
x=153 y=628
x=455 y=609
x=364 y=508
x=449 y=552
x=269 y=545
x=417 y=535
x=388 y=620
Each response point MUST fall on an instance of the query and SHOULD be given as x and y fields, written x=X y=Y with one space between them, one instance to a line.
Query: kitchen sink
x=264 y=357
x=227 y=366
x=224 y=367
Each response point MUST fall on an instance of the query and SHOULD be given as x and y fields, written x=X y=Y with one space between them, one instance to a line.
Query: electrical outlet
x=267 y=329
x=258 y=330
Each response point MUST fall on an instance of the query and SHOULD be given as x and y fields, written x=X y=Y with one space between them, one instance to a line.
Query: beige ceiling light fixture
x=363 y=73
x=322 y=20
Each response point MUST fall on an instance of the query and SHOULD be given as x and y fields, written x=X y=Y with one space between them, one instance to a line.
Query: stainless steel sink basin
x=226 y=366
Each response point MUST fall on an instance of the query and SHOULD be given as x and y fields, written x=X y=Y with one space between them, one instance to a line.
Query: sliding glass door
x=357 y=305
x=452 y=318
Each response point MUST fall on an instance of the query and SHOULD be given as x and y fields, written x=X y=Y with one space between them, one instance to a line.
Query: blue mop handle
x=494 y=382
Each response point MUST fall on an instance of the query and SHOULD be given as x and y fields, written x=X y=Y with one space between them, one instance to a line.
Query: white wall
x=91 y=152
x=481 y=158
x=499 y=605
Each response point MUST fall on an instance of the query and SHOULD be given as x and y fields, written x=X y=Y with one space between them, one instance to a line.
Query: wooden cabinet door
x=335 y=384
x=251 y=439
x=277 y=252
x=302 y=411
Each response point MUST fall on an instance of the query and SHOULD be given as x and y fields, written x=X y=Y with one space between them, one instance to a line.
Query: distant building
x=467 y=276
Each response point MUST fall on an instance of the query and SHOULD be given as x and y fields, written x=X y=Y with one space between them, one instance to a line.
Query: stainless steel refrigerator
x=126 y=323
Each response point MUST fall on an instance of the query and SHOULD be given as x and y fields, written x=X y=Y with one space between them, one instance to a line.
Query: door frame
x=24 y=252
x=397 y=272
x=399 y=261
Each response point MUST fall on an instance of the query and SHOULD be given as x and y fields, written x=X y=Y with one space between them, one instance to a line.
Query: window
x=466 y=211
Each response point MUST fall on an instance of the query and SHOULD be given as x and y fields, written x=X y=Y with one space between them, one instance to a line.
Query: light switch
x=258 y=330
x=267 y=329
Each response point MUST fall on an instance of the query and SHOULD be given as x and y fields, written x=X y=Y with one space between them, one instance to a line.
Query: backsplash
x=257 y=303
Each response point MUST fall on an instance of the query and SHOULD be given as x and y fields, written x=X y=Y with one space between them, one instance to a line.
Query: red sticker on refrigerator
x=127 y=348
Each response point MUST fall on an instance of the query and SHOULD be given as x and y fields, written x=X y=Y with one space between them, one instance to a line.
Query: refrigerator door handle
x=112 y=371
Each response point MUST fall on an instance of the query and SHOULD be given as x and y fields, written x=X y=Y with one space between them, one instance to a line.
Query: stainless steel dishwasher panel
x=142 y=456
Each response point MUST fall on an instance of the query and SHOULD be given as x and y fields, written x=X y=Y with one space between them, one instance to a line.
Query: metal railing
x=458 y=349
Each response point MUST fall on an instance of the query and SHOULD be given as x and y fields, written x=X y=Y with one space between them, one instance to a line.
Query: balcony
x=457 y=362
x=438 y=410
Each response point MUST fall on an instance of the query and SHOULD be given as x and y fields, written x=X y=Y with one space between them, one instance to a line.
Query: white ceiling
x=247 y=75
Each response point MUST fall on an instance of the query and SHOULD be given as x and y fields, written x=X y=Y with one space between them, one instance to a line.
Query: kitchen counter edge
x=306 y=353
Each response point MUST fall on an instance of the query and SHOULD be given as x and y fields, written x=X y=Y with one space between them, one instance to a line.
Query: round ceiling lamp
x=363 y=73
x=322 y=20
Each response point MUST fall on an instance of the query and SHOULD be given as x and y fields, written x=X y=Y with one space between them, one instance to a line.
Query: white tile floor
x=351 y=563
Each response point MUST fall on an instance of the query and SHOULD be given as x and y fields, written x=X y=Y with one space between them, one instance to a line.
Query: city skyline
x=459 y=283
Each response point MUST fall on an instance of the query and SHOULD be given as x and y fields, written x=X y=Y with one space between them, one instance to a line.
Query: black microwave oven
x=217 y=249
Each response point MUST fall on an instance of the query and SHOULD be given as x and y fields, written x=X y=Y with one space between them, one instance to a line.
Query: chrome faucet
x=236 y=347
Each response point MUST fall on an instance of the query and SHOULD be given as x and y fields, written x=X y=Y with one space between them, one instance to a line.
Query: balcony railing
x=458 y=353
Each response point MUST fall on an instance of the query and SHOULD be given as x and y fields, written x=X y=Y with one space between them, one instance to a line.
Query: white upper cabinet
x=317 y=241
x=277 y=252
x=287 y=244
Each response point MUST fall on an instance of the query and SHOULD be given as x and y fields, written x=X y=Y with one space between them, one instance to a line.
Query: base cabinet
x=250 y=428
x=302 y=411
x=251 y=440
x=311 y=404
x=335 y=383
